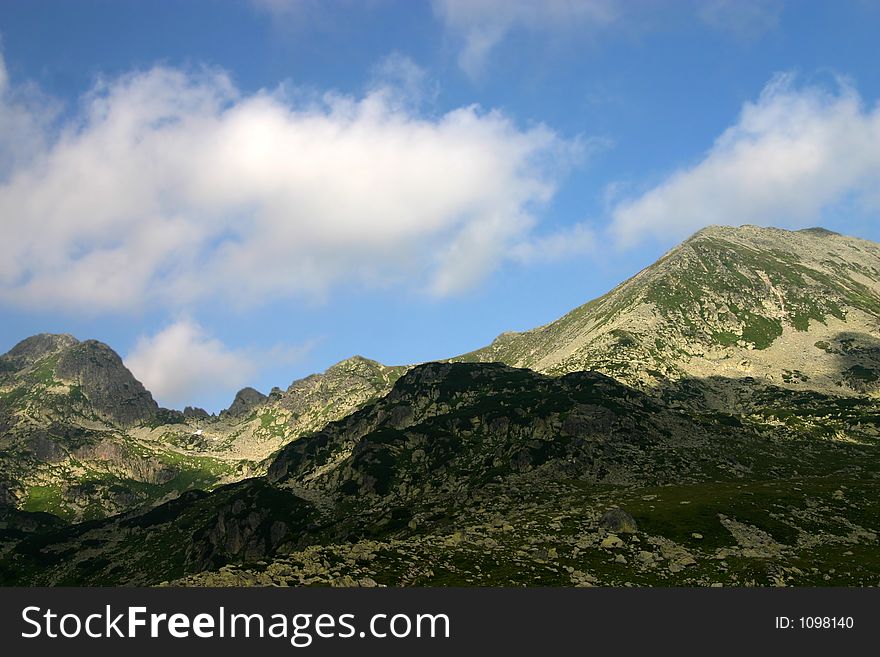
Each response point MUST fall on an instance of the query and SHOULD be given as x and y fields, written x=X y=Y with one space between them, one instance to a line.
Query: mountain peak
x=105 y=380
x=245 y=401
x=91 y=367
x=728 y=301
x=749 y=232
x=355 y=362
x=818 y=231
x=38 y=346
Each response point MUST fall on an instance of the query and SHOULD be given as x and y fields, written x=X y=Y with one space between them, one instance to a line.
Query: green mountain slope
x=793 y=309
x=481 y=473
x=74 y=434
x=81 y=438
x=713 y=420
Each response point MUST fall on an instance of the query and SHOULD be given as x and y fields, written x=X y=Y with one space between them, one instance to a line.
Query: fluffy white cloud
x=792 y=154
x=482 y=24
x=171 y=186
x=184 y=361
x=24 y=118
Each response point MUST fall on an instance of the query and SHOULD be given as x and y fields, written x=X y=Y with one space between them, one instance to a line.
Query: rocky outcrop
x=195 y=413
x=32 y=349
x=618 y=521
x=106 y=383
x=115 y=457
x=245 y=401
x=253 y=522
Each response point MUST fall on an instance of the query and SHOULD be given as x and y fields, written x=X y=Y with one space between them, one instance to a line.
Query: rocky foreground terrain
x=712 y=421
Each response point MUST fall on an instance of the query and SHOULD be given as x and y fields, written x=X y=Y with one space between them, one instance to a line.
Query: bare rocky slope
x=799 y=310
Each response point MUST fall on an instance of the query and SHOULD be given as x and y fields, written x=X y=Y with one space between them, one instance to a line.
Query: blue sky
x=242 y=193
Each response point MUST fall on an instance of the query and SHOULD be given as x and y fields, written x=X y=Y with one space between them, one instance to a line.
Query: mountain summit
x=87 y=375
x=791 y=308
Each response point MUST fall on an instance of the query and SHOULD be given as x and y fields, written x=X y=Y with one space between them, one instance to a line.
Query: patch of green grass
x=726 y=338
x=46 y=499
x=761 y=331
x=45 y=371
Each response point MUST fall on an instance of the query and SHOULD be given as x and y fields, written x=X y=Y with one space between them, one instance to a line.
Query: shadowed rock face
x=245 y=401
x=108 y=385
x=619 y=521
x=195 y=412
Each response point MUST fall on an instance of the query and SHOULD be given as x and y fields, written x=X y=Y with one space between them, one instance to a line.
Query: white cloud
x=402 y=81
x=184 y=361
x=170 y=187
x=25 y=116
x=576 y=240
x=482 y=24
x=792 y=154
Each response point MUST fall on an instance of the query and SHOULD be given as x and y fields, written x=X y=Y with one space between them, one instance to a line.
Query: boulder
x=619 y=521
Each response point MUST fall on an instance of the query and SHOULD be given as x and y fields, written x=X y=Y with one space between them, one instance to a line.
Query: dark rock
x=195 y=413
x=168 y=416
x=619 y=521
x=46 y=450
x=109 y=386
x=245 y=401
x=17 y=524
x=256 y=521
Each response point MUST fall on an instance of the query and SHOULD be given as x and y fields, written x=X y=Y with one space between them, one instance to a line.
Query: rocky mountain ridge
x=96 y=379
x=798 y=309
x=82 y=438
x=713 y=420
x=482 y=473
